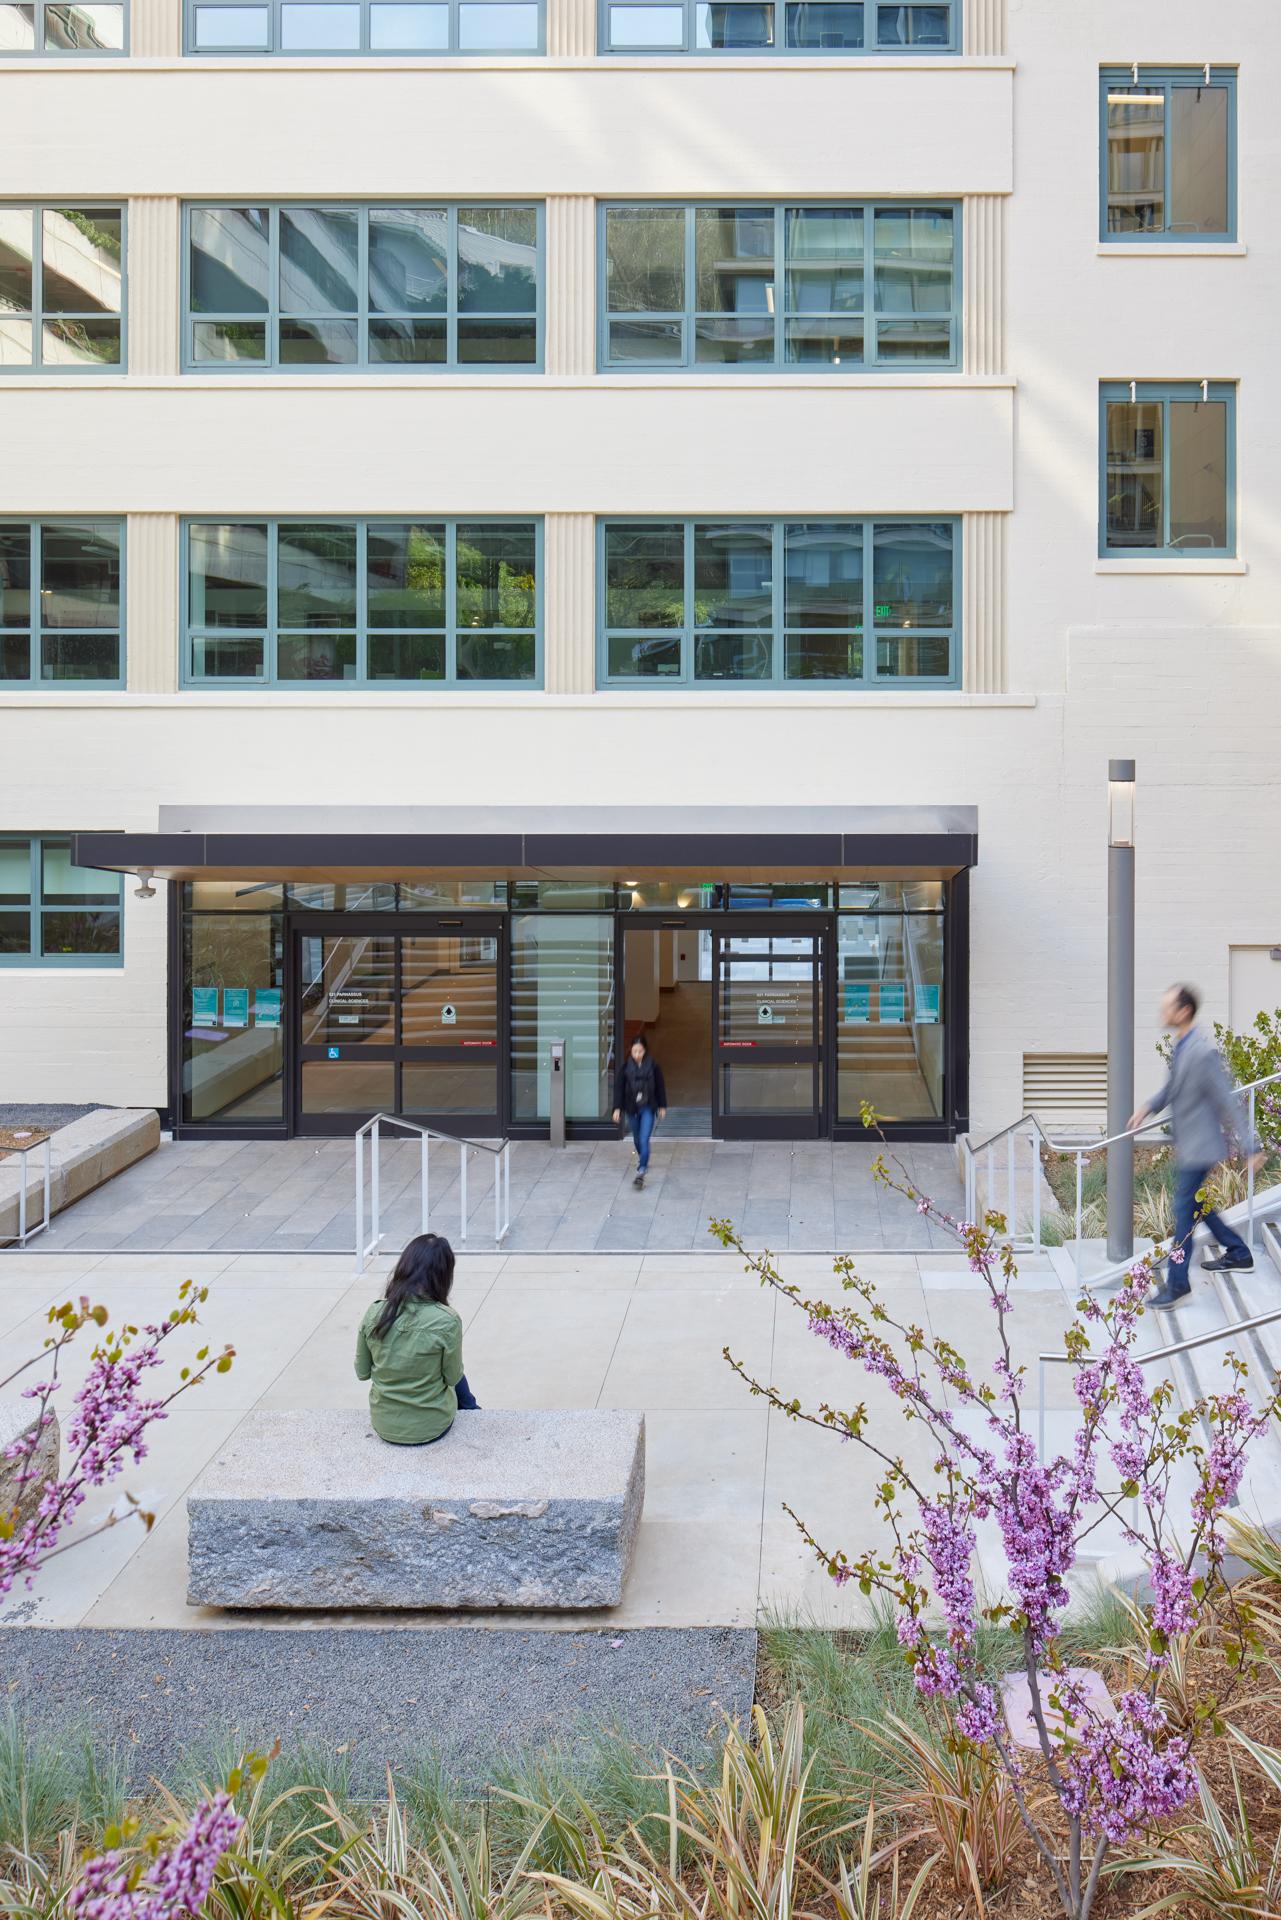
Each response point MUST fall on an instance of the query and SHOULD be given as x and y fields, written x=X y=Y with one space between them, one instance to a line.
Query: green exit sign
x=883 y=612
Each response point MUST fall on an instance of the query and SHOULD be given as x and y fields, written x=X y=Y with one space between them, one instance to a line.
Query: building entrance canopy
x=609 y=842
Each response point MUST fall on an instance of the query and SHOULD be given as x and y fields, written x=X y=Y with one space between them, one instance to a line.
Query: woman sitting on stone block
x=410 y=1348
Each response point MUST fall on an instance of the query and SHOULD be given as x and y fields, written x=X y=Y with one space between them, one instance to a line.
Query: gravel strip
x=20 y=1114
x=382 y=1697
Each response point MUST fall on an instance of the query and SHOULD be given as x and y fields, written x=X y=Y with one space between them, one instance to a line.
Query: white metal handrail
x=1029 y=1130
x=372 y=1131
x=1225 y=1332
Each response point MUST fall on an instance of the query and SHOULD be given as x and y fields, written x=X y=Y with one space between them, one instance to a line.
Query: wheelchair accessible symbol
x=332 y=1052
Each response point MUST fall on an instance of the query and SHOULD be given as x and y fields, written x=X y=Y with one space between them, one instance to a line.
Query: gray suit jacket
x=1208 y=1115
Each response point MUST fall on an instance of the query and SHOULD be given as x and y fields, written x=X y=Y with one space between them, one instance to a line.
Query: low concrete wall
x=84 y=1154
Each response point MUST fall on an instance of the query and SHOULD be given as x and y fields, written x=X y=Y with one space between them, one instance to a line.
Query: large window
x=60 y=602
x=52 y=26
x=52 y=913
x=780 y=26
x=321 y=602
x=847 y=287
x=374 y=27
x=390 y=289
x=62 y=281
x=1169 y=153
x=779 y=602
x=1168 y=483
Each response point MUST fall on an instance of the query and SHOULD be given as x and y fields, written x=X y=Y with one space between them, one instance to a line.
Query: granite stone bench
x=310 y=1509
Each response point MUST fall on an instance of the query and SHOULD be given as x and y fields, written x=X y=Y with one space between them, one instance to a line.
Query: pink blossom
x=177 y=1881
x=1123 y=1775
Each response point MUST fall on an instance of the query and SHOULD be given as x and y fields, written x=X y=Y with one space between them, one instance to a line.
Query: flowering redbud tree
x=108 y=1425
x=1113 y=1776
x=164 y=1875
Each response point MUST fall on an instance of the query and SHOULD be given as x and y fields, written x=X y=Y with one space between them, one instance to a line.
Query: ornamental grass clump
x=1112 y=1776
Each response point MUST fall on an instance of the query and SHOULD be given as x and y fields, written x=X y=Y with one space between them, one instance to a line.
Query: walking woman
x=410 y=1348
x=639 y=1094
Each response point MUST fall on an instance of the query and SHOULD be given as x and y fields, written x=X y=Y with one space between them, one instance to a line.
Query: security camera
x=145 y=890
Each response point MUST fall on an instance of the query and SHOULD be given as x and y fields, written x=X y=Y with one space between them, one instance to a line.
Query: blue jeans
x=1188 y=1183
x=641 y=1122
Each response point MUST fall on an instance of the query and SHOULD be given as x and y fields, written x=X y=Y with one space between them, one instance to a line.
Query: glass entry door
x=399 y=1021
x=767 y=1035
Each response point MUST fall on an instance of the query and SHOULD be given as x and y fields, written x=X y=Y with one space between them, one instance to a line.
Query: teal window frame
x=1150 y=393
x=270 y=633
x=34 y=956
x=776 y=680
x=688 y=316
x=271 y=315
x=274 y=49
x=1167 y=80
x=40 y=51
x=109 y=369
x=35 y=629
x=777 y=48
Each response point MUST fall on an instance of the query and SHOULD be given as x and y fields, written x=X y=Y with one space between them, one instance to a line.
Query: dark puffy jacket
x=633 y=1079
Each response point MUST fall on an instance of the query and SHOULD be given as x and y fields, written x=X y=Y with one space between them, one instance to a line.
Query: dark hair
x=424 y=1271
x=1186 y=999
x=638 y=1040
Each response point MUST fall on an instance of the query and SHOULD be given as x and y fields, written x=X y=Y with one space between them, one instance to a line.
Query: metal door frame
x=399 y=927
x=801 y=1126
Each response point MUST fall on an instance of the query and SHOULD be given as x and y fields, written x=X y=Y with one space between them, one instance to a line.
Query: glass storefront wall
x=890 y=1031
x=562 y=988
x=232 y=1010
x=284 y=1021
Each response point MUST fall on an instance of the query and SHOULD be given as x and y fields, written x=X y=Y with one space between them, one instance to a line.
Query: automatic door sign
x=449 y=1016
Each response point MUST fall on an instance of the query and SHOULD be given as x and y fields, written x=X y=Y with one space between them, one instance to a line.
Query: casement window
x=48 y=27
x=62 y=288
x=783 y=603
x=61 y=603
x=411 y=288
x=322 y=602
x=1167 y=480
x=1168 y=166
x=293 y=28
x=805 y=27
x=851 y=287
x=53 y=913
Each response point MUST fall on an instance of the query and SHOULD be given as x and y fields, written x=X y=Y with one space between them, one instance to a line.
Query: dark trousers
x=1187 y=1211
x=641 y=1121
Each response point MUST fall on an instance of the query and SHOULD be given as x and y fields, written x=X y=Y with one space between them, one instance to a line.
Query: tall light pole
x=1120 y=1006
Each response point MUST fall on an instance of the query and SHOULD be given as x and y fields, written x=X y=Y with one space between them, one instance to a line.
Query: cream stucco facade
x=1066 y=659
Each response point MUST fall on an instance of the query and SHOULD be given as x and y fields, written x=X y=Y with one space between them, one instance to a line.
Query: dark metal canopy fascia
x=256 y=844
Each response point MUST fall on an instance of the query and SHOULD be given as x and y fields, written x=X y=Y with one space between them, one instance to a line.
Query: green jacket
x=414 y=1369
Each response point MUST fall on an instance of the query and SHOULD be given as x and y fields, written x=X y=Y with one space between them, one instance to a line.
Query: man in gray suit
x=1209 y=1122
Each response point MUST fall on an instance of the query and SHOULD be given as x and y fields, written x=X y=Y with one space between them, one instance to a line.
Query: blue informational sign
x=927 y=1006
x=893 y=1001
x=267 y=1007
x=204 y=1006
x=235 y=1006
x=331 y=1053
x=858 y=1000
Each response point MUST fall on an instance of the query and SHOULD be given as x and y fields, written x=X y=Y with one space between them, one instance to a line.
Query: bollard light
x=1120 y=803
x=1120 y=1007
